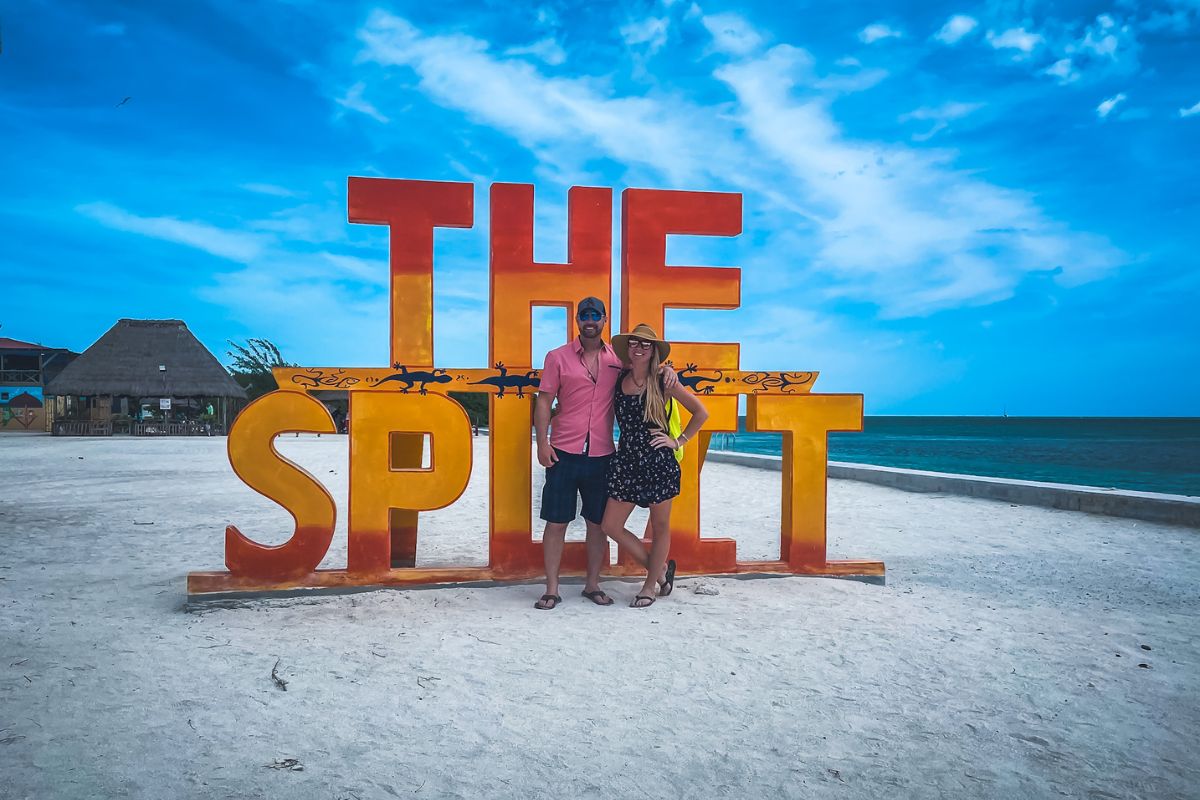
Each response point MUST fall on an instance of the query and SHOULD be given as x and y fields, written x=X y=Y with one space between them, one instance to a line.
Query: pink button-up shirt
x=585 y=406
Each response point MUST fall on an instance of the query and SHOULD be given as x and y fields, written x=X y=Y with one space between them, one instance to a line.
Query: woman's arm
x=699 y=413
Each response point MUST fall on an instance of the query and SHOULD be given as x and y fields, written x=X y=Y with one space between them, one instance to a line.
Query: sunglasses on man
x=590 y=316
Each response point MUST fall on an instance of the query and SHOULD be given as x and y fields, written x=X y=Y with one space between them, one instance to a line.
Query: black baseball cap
x=591 y=304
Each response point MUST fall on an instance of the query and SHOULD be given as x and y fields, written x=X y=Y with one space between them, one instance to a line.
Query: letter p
x=377 y=486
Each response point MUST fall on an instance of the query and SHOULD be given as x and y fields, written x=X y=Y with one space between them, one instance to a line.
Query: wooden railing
x=85 y=427
x=73 y=427
x=17 y=376
x=158 y=428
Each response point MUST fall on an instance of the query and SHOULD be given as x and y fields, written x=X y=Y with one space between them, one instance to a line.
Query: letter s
x=260 y=466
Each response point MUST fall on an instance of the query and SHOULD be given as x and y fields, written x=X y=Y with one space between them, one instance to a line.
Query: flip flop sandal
x=598 y=597
x=668 y=582
x=552 y=599
x=635 y=604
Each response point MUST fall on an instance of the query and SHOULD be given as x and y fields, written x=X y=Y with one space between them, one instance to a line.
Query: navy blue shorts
x=575 y=476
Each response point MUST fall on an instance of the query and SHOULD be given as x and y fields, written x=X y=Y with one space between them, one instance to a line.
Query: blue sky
x=956 y=208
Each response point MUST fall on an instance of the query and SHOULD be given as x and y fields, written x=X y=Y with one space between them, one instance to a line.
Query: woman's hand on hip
x=660 y=439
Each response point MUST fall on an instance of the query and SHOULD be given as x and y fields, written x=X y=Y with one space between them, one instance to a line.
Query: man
x=582 y=374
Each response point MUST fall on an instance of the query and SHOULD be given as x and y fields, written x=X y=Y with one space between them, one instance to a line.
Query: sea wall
x=1172 y=509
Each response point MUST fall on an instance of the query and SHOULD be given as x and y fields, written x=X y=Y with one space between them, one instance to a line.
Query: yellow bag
x=674 y=425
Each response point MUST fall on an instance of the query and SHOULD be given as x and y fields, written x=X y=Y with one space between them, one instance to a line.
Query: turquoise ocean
x=1147 y=454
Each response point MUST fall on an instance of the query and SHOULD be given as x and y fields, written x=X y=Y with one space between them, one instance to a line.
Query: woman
x=644 y=471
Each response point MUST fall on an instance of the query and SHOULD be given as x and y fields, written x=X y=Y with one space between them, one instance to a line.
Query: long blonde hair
x=654 y=412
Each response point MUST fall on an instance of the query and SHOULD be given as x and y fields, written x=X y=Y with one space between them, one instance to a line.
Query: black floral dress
x=639 y=473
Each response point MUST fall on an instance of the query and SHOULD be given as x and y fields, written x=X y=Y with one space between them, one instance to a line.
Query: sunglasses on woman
x=640 y=344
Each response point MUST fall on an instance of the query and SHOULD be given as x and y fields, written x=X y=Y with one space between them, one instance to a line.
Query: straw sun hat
x=620 y=342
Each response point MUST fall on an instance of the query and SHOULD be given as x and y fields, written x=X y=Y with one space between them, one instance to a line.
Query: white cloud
x=279 y=283
x=283 y=291
x=1015 y=39
x=1078 y=51
x=651 y=32
x=233 y=245
x=900 y=227
x=1190 y=112
x=547 y=50
x=268 y=297
x=547 y=17
x=269 y=189
x=956 y=28
x=1100 y=38
x=1180 y=17
x=1063 y=70
x=308 y=222
x=946 y=111
x=877 y=31
x=849 y=355
x=1106 y=107
x=1106 y=48
x=559 y=119
x=366 y=270
x=845 y=82
x=941 y=116
x=881 y=223
x=353 y=100
x=732 y=34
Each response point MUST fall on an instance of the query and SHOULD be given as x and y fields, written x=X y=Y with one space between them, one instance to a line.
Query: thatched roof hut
x=146 y=358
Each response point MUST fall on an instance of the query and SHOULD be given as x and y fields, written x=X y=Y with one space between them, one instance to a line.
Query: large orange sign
x=395 y=410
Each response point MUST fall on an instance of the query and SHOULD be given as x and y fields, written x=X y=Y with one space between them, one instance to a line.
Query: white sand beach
x=1003 y=658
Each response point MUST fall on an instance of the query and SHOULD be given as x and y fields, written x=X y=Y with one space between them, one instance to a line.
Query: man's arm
x=541 y=424
x=547 y=389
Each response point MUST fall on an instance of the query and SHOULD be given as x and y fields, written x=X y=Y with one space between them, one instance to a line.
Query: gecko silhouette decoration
x=784 y=382
x=693 y=381
x=410 y=443
x=411 y=379
x=313 y=378
x=505 y=381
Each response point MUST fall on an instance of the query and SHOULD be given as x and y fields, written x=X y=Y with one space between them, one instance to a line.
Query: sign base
x=216 y=585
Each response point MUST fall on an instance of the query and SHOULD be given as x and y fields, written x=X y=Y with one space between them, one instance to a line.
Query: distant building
x=25 y=369
x=147 y=377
